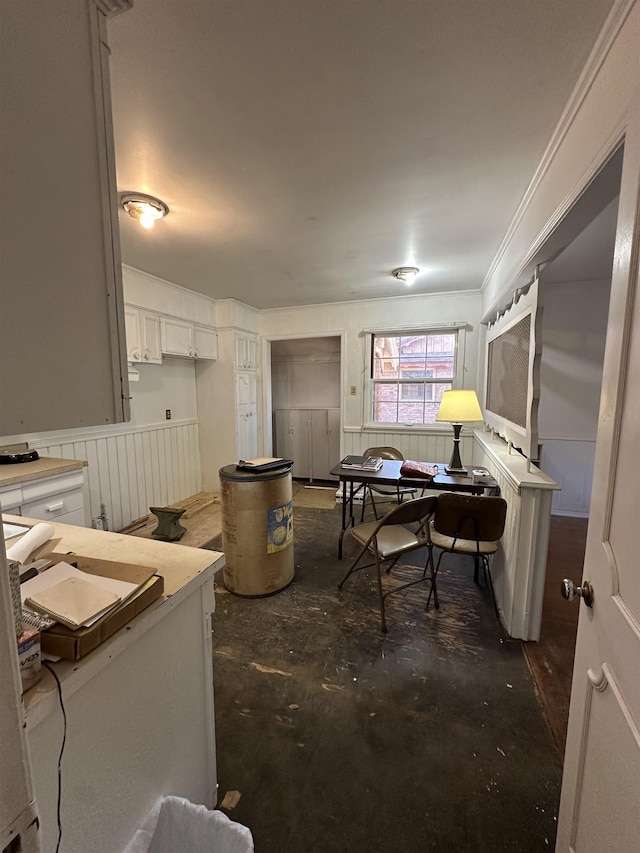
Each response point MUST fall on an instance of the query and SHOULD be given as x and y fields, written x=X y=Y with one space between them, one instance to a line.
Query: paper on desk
x=63 y=571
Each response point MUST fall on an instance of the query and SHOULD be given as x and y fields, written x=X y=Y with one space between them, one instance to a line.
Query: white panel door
x=325 y=442
x=150 y=338
x=300 y=431
x=246 y=415
x=205 y=342
x=177 y=337
x=601 y=784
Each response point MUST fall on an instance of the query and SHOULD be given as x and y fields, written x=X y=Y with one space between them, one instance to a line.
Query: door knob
x=569 y=591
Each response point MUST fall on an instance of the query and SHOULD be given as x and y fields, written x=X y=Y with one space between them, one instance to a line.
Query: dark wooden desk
x=389 y=475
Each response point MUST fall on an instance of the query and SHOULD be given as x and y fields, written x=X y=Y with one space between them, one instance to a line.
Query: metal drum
x=257 y=530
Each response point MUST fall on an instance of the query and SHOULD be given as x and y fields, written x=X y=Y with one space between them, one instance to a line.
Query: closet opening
x=306 y=395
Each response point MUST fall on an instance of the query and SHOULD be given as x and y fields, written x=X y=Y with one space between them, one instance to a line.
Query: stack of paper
x=73 y=597
x=362 y=463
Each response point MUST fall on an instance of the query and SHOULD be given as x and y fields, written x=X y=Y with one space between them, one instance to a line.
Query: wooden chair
x=397 y=492
x=389 y=539
x=471 y=525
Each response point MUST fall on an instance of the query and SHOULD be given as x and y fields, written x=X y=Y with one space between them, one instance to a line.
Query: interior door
x=601 y=784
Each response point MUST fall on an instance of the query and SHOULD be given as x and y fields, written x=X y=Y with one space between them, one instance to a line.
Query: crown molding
x=606 y=38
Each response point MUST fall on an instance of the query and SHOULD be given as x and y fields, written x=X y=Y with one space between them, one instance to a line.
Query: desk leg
x=344 y=517
x=351 y=521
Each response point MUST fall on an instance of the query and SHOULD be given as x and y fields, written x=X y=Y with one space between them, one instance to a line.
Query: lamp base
x=460 y=471
x=455 y=466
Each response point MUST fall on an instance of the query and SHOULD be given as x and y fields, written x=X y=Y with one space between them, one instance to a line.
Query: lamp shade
x=459 y=407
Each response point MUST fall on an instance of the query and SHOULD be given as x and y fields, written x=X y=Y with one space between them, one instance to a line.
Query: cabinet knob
x=135 y=354
x=147 y=355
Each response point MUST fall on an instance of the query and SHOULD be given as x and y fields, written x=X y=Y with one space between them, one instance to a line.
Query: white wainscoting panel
x=519 y=566
x=131 y=469
x=570 y=463
x=433 y=446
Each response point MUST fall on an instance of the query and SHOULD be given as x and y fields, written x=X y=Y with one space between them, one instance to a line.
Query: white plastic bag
x=176 y=825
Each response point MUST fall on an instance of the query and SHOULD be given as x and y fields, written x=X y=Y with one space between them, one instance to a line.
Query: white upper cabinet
x=246 y=352
x=181 y=338
x=143 y=336
x=176 y=337
x=205 y=342
x=59 y=240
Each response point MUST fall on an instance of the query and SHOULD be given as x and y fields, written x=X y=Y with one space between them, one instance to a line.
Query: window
x=409 y=374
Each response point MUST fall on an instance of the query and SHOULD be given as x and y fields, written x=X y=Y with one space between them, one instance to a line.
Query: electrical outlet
x=354 y=390
x=167 y=414
x=98 y=523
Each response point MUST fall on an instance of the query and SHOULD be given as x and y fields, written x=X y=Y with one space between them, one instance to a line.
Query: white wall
x=354 y=319
x=170 y=385
x=573 y=338
x=574 y=328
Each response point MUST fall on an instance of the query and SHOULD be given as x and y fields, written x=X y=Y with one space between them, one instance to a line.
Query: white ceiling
x=307 y=147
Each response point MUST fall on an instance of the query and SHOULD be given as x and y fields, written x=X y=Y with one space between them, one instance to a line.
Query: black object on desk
x=389 y=475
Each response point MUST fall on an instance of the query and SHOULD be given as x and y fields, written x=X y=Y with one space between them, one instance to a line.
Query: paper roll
x=27 y=544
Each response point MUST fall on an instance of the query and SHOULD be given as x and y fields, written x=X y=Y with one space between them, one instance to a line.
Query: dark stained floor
x=551 y=658
x=338 y=738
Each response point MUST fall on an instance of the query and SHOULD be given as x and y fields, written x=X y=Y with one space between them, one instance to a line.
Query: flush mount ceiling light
x=145 y=208
x=406 y=274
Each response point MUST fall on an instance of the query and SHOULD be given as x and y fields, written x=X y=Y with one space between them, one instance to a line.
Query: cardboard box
x=73 y=645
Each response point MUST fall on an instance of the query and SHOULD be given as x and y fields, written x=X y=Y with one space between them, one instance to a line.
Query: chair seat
x=462 y=546
x=391 y=540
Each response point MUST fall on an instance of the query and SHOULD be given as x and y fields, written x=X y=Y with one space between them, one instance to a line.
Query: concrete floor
x=338 y=738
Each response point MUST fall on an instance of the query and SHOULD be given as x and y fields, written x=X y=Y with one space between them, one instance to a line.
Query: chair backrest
x=470 y=516
x=410 y=511
x=384 y=452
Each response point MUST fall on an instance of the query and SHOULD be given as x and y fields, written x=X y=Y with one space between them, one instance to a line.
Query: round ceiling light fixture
x=146 y=209
x=406 y=274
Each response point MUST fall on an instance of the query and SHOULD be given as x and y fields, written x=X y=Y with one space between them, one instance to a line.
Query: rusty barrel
x=257 y=530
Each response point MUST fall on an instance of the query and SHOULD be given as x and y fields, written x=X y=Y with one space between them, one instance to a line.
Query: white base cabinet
x=139 y=708
x=311 y=437
x=51 y=498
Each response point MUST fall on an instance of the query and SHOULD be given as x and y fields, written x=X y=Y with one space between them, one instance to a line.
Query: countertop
x=46 y=466
x=179 y=565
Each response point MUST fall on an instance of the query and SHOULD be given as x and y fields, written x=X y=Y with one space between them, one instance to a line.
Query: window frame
x=457 y=329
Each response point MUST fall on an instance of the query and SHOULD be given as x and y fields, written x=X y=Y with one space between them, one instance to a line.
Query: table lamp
x=458 y=407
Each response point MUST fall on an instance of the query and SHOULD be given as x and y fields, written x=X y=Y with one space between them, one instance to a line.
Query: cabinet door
x=252 y=353
x=205 y=342
x=132 y=329
x=150 y=338
x=300 y=443
x=283 y=437
x=246 y=388
x=176 y=337
x=66 y=266
x=247 y=431
x=240 y=351
x=246 y=352
x=333 y=423
x=325 y=442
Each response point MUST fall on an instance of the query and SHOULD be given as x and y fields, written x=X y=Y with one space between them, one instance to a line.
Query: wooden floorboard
x=551 y=659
